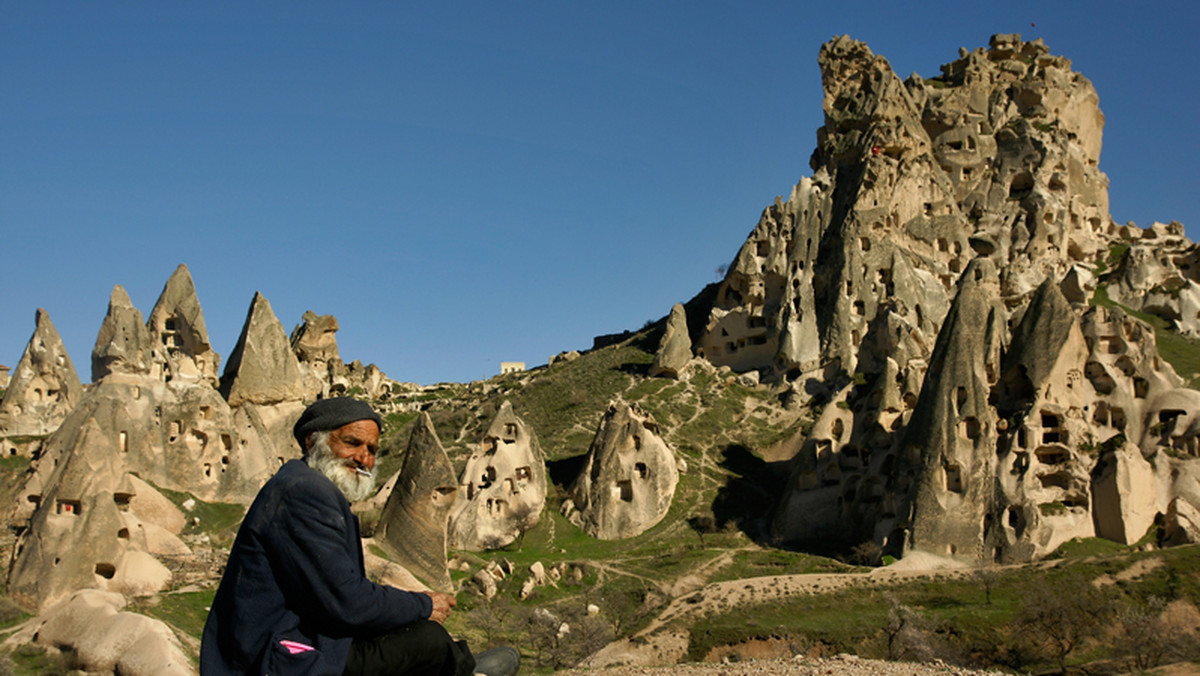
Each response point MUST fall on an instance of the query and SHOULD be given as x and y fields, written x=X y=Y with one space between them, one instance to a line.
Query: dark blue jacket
x=295 y=574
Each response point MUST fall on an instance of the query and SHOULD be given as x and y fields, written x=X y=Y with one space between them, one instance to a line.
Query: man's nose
x=366 y=459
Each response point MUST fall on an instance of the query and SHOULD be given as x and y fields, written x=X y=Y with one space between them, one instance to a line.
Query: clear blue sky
x=467 y=183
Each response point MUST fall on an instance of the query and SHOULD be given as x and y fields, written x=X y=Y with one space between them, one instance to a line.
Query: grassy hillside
x=726 y=433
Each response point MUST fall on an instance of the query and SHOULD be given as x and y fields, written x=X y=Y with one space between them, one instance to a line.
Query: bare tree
x=1060 y=616
x=987 y=574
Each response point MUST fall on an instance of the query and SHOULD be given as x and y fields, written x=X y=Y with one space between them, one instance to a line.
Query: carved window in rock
x=497 y=508
x=838 y=429
x=1165 y=428
x=488 y=477
x=1126 y=365
x=121 y=500
x=1110 y=344
x=1053 y=455
x=969 y=428
x=1020 y=463
x=510 y=432
x=624 y=490
x=1141 y=387
x=1098 y=375
x=1052 y=433
x=72 y=507
x=641 y=470
x=123 y=441
x=106 y=570
x=824 y=449
x=954 y=478
x=207 y=470
x=174 y=429
x=522 y=474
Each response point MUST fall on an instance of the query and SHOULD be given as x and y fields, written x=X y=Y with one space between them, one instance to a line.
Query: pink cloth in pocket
x=295 y=648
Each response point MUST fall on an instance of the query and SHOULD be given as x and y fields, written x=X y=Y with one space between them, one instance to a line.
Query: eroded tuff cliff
x=931 y=282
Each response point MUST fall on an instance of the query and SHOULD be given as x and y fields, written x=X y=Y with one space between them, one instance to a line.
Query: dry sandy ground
x=842 y=665
x=662 y=643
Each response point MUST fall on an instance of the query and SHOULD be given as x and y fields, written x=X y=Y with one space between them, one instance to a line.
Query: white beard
x=353 y=485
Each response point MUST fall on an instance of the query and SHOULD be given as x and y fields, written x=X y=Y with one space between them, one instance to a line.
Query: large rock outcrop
x=82 y=534
x=105 y=638
x=44 y=386
x=629 y=476
x=997 y=443
x=675 y=349
x=176 y=326
x=416 y=515
x=262 y=368
x=123 y=344
x=502 y=489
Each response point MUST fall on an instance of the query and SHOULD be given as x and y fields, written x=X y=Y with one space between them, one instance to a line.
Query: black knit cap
x=330 y=414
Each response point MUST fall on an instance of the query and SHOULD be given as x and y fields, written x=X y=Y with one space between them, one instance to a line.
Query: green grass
x=219 y=520
x=185 y=611
x=953 y=610
x=1078 y=548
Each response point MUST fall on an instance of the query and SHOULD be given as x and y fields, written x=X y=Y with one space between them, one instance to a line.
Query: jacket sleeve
x=312 y=547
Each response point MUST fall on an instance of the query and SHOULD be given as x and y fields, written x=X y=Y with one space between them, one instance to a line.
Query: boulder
x=106 y=638
x=1125 y=494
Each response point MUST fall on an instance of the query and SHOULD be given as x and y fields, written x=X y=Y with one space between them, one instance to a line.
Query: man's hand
x=442 y=603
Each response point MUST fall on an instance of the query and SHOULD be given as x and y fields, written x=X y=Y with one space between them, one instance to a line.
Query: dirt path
x=722 y=597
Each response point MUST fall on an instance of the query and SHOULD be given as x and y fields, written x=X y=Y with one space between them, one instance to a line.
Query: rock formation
x=123 y=344
x=177 y=329
x=629 y=477
x=44 y=386
x=82 y=534
x=414 y=520
x=105 y=638
x=986 y=427
x=675 y=350
x=502 y=489
x=262 y=368
x=1158 y=274
x=314 y=341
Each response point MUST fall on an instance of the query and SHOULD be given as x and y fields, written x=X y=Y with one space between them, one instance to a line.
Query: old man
x=294 y=598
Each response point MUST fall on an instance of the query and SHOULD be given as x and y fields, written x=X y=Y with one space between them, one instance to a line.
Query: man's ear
x=308 y=441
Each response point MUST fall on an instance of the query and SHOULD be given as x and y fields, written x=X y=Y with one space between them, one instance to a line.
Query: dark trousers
x=421 y=648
